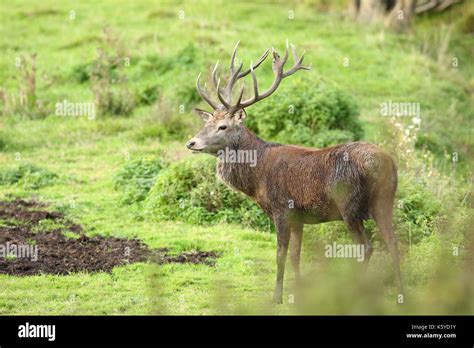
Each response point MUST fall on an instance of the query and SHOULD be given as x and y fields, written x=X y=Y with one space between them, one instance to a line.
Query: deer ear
x=240 y=115
x=203 y=114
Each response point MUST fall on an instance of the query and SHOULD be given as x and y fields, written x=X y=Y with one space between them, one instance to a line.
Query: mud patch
x=195 y=257
x=36 y=241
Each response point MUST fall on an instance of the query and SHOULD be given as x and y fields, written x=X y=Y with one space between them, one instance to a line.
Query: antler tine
x=254 y=80
x=230 y=83
x=297 y=65
x=214 y=74
x=260 y=61
x=221 y=98
x=241 y=94
x=204 y=94
x=225 y=94
x=285 y=58
x=233 y=77
x=237 y=74
x=293 y=50
x=278 y=63
x=232 y=58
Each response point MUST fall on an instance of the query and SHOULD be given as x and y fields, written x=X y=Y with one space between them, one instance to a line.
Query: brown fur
x=295 y=185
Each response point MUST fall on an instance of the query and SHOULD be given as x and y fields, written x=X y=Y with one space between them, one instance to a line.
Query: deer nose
x=190 y=144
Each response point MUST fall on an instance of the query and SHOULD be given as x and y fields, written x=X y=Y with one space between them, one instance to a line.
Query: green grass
x=168 y=52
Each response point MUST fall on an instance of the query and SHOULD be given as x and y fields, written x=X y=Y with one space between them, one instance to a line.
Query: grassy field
x=167 y=45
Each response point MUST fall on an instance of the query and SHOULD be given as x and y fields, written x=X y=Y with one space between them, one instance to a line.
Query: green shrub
x=28 y=175
x=113 y=101
x=137 y=177
x=25 y=101
x=190 y=191
x=147 y=95
x=417 y=210
x=81 y=73
x=108 y=80
x=315 y=115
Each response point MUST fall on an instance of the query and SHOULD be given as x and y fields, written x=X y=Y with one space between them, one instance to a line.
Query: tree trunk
x=401 y=15
x=396 y=14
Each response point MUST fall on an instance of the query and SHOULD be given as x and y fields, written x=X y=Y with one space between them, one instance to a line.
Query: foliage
x=426 y=198
x=318 y=115
x=418 y=210
x=190 y=191
x=108 y=81
x=382 y=66
x=26 y=102
x=28 y=176
x=137 y=177
x=147 y=95
x=82 y=72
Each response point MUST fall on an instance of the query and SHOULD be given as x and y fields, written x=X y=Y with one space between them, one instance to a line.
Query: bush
x=108 y=80
x=137 y=177
x=25 y=102
x=113 y=102
x=147 y=95
x=417 y=210
x=81 y=73
x=317 y=115
x=190 y=191
x=424 y=196
x=28 y=175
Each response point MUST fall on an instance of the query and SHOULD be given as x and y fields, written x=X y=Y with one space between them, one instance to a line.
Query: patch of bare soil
x=28 y=246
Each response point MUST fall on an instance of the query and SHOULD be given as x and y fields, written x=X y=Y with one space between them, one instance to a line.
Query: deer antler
x=236 y=75
x=277 y=65
x=225 y=93
x=204 y=95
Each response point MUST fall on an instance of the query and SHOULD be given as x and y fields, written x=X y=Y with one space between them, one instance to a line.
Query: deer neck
x=238 y=165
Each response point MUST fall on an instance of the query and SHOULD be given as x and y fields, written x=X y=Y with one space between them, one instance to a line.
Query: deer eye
x=223 y=127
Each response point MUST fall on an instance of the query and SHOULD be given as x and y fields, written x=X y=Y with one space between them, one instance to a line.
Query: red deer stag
x=295 y=185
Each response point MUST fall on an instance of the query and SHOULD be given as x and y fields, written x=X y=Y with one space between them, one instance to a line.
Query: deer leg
x=357 y=231
x=283 y=238
x=384 y=222
x=382 y=211
x=295 y=250
x=363 y=238
x=368 y=245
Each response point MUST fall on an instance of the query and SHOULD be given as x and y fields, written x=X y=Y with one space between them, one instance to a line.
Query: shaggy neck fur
x=242 y=176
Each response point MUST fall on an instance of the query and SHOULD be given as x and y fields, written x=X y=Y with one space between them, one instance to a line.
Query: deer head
x=224 y=124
